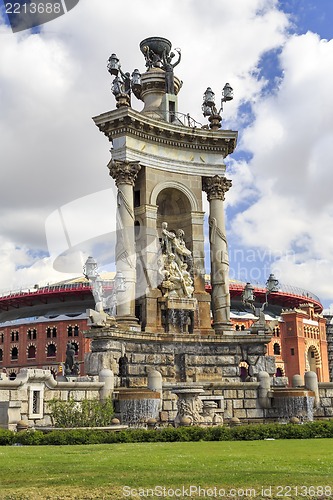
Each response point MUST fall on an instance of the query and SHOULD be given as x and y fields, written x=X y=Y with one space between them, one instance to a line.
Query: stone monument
x=162 y=161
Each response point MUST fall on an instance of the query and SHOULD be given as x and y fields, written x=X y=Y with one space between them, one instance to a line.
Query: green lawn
x=102 y=471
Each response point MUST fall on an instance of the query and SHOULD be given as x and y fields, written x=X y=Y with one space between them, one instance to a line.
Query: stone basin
x=294 y=402
x=136 y=406
x=288 y=392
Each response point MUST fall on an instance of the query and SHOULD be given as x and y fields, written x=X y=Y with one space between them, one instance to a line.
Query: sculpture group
x=176 y=265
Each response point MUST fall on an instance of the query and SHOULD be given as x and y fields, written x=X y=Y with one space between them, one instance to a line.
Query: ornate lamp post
x=248 y=299
x=248 y=296
x=209 y=108
x=105 y=304
x=123 y=83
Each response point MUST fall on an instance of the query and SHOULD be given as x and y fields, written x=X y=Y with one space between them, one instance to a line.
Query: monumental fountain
x=163 y=320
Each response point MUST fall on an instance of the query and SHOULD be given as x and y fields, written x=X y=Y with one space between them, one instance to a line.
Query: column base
x=223 y=326
x=128 y=322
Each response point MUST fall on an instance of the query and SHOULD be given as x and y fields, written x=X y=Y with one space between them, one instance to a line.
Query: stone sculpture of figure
x=168 y=68
x=69 y=363
x=182 y=253
x=97 y=291
x=167 y=239
x=176 y=279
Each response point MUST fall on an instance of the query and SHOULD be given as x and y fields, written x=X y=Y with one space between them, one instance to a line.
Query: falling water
x=135 y=412
x=295 y=406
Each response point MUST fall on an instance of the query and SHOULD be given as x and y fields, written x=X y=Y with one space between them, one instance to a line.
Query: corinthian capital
x=216 y=187
x=124 y=172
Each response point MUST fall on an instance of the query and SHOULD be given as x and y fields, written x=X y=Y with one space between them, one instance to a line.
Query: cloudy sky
x=278 y=57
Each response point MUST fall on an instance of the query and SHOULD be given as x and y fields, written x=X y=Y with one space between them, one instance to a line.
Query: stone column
x=125 y=174
x=216 y=187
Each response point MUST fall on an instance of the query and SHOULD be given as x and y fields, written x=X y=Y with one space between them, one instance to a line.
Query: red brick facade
x=41 y=344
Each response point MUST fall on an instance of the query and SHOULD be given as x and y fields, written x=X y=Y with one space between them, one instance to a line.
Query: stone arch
x=14 y=352
x=312 y=357
x=51 y=350
x=243 y=370
x=176 y=186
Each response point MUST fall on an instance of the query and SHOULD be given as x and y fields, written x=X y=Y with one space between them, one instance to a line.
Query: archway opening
x=174 y=207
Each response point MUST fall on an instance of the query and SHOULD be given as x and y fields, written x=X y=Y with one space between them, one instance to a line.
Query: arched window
x=76 y=331
x=32 y=334
x=14 y=336
x=279 y=372
x=277 y=349
x=70 y=331
x=244 y=371
x=12 y=376
x=31 y=352
x=14 y=353
x=51 y=350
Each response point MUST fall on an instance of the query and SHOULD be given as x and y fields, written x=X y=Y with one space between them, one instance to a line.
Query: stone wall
x=329 y=337
x=179 y=358
x=26 y=397
x=325 y=409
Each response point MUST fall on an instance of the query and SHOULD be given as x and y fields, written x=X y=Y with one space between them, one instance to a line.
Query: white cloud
x=291 y=144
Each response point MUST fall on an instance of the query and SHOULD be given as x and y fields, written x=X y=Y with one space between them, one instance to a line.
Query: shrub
x=6 y=437
x=318 y=429
x=29 y=437
x=86 y=413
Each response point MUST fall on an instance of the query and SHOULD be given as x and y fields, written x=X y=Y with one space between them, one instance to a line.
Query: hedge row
x=319 y=429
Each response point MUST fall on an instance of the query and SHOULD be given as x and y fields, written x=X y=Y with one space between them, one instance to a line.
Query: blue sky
x=278 y=56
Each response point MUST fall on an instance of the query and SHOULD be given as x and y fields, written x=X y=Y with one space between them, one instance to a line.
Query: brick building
x=41 y=343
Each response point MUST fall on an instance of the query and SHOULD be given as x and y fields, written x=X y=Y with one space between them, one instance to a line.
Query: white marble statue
x=176 y=279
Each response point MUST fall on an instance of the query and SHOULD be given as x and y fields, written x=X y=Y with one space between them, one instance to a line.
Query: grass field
x=252 y=469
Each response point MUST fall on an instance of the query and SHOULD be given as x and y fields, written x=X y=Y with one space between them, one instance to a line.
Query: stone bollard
x=107 y=377
x=264 y=388
x=151 y=423
x=22 y=425
x=234 y=421
x=297 y=381
x=311 y=383
x=155 y=384
x=155 y=381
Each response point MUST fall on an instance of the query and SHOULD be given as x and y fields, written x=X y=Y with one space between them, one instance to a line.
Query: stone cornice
x=246 y=339
x=126 y=121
